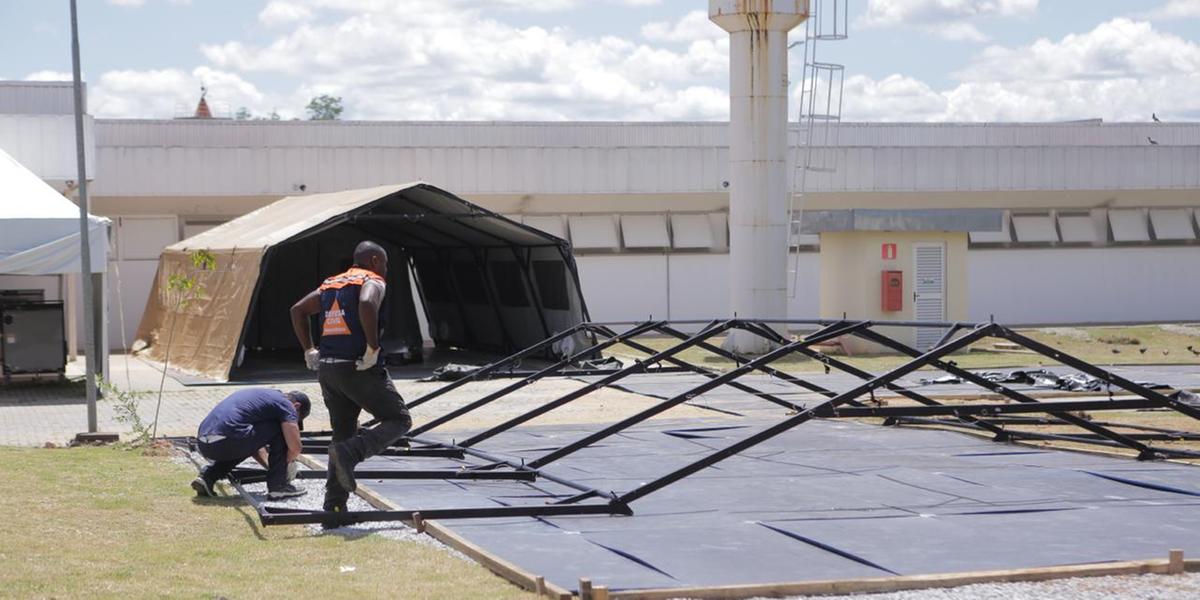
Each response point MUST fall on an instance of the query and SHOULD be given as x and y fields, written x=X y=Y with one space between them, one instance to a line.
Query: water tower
x=759 y=193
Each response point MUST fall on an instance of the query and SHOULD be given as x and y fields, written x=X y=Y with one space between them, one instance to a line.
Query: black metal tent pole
x=500 y=364
x=270 y=515
x=516 y=385
x=791 y=422
x=1144 y=451
x=830 y=332
x=737 y=358
x=638 y=367
x=708 y=372
x=1106 y=376
x=848 y=368
x=955 y=410
x=829 y=361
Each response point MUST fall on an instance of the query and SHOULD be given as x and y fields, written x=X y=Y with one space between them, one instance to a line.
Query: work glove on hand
x=312 y=358
x=292 y=469
x=368 y=360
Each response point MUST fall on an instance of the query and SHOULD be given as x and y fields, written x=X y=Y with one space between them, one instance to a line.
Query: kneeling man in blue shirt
x=255 y=422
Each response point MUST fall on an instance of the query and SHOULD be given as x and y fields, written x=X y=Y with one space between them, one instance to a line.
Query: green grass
x=105 y=522
x=1093 y=344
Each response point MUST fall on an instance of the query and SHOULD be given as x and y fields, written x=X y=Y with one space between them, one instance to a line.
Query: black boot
x=342 y=460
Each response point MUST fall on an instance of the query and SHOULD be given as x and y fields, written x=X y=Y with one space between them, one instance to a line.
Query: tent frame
x=858 y=402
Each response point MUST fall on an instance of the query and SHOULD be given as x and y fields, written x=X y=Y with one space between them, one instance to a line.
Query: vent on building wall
x=1129 y=225
x=1172 y=224
x=1035 y=229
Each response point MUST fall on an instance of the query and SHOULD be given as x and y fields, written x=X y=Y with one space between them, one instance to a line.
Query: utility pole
x=85 y=249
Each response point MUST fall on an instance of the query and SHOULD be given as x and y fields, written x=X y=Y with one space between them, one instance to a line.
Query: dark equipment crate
x=32 y=338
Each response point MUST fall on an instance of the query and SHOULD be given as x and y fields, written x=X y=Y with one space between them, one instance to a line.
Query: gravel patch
x=1124 y=587
x=1192 y=330
x=394 y=530
x=1068 y=332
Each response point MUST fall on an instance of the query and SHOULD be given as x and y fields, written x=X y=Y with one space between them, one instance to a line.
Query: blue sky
x=906 y=60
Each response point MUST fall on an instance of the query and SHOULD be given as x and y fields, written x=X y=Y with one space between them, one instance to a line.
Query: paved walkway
x=32 y=414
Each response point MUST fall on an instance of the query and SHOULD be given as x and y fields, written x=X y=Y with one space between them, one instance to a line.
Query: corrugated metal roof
x=39 y=98
x=243 y=158
x=45 y=144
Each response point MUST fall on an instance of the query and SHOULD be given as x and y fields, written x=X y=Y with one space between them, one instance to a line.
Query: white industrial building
x=1097 y=221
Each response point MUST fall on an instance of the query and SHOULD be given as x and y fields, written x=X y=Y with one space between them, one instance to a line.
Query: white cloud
x=1118 y=48
x=690 y=27
x=1122 y=70
x=281 y=12
x=166 y=93
x=451 y=59
x=893 y=98
x=946 y=18
x=1175 y=9
x=47 y=75
x=140 y=3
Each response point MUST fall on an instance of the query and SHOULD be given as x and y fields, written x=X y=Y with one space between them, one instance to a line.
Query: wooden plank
x=445 y=535
x=494 y=563
x=893 y=584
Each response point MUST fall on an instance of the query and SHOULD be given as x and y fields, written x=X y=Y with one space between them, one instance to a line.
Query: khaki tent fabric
x=476 y=270
x=204 y=327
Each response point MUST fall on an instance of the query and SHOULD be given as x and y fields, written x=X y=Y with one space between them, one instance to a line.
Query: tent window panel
x=1128 y=225
x=1077 y=228
x=434 y=283
x=645 y=231
x=470 y=284
x=1034 y=228
x=1172 y=224
x=551 y=276
x=510 y=288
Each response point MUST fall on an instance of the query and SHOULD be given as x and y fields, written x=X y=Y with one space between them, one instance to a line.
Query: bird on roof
x=1116 y=351
x=1155 y=117
x=1151 y=140
x=1141 y=350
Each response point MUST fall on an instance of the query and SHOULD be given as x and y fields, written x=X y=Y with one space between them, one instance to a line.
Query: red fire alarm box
x=893 y=291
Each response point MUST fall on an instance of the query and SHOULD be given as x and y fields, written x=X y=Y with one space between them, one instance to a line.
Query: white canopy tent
x=39 y=235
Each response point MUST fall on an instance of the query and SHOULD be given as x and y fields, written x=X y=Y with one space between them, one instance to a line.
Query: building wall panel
x=1064 y=285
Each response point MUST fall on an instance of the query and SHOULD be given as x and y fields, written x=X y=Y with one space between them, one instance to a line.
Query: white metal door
x=929 y=290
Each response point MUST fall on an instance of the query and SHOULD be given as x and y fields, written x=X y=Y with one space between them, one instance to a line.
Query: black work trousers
x=348 y=392
x=229 y=452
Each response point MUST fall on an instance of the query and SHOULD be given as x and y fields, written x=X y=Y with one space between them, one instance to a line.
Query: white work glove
x=368 y=360
x=312 y=358
x=292 y=470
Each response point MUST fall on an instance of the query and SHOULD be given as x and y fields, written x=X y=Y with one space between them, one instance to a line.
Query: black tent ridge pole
x=712 y=374
x=739 y=359
x=637 y=367
x=491 y=368
x=1106 y=376
x=831 y=332
x=516 y=385
x=791 y=422
x=1143 y=450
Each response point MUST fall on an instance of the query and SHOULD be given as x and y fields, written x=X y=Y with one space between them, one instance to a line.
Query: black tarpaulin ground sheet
x=826 y=500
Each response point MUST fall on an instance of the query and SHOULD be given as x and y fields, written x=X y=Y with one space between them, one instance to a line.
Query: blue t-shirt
x=236 y=415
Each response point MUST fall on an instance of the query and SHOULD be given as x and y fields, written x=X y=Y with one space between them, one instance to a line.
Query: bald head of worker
x=372 y=257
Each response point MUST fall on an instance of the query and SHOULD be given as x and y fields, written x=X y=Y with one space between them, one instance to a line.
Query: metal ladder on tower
x=820 y=112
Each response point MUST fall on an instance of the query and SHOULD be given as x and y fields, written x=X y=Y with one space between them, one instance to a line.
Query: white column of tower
x=758 y=189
